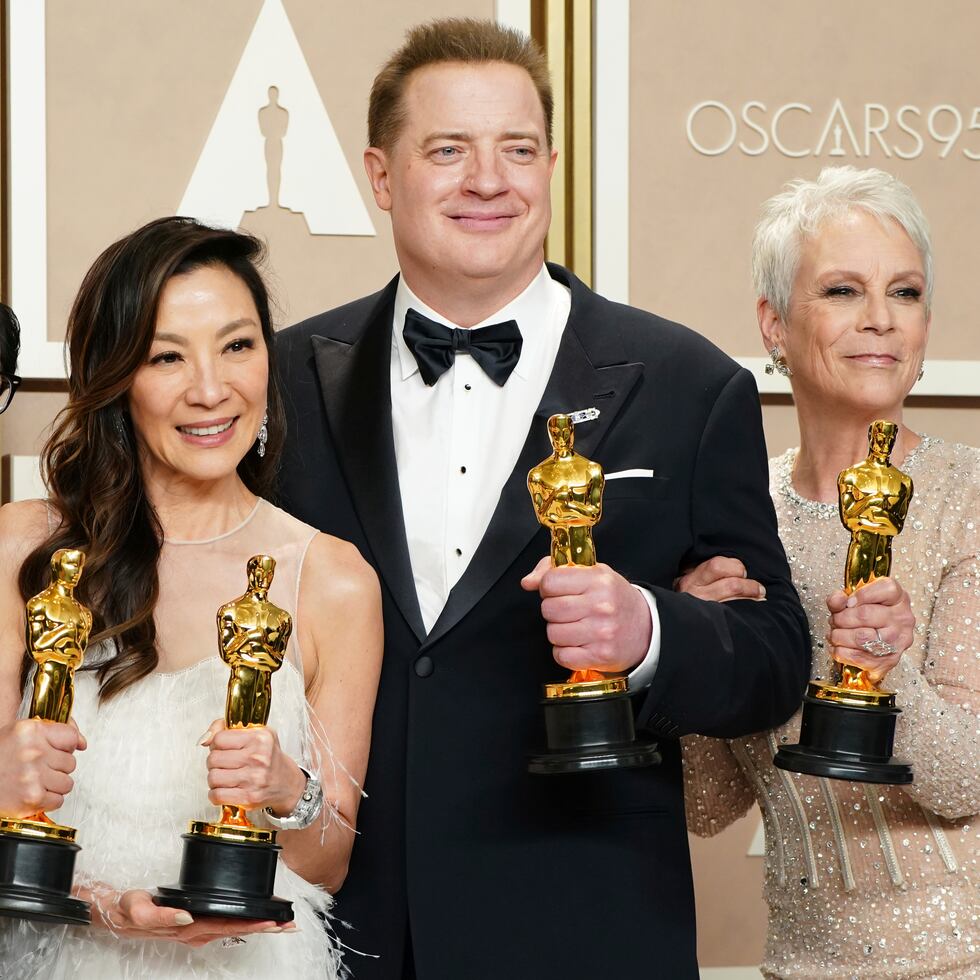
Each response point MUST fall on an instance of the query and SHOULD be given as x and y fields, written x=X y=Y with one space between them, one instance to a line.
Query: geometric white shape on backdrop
x=942 y=377
x=25 y=478
x=27 y=159
x=513 y=13
x=611 y=176
x=230 y=176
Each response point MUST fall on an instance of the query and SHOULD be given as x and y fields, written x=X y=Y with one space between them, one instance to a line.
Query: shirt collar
x=534 y=310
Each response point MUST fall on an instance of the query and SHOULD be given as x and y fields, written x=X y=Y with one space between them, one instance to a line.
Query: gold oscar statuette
x=848 y=725
x=229 y=865
x=37 y=855
x=588 y=716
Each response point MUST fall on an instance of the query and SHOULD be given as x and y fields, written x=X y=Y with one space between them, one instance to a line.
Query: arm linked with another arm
x=734 y=668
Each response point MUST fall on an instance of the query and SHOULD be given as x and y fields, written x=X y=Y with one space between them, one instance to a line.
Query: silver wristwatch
x=307 y=808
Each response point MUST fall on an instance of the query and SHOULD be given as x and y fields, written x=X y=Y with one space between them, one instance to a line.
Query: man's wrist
x=643 y=673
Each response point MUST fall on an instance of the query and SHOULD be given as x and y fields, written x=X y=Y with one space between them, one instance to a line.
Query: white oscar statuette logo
x=272 y=143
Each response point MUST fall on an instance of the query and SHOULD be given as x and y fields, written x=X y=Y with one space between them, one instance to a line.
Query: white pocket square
x=624 y=473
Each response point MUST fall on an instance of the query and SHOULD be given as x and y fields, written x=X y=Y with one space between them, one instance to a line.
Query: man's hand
x=595 y=617
x=36 y=758
x=720 y=579
x=880 y=610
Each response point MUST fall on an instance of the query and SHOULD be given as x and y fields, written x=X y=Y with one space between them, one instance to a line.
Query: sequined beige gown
x=863 y=880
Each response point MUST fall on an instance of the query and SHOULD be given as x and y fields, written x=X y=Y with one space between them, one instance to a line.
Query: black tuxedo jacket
x=487 y=871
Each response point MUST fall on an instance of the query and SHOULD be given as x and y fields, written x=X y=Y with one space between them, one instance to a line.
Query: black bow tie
x=495 y=348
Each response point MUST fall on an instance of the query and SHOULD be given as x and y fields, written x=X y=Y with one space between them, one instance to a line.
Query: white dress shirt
x=457 y=442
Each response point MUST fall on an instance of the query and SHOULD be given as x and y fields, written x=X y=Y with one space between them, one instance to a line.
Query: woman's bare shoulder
x=335 y=571
x=23 y=526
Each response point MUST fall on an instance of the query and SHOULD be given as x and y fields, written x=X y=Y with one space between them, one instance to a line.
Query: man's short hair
x=453 y=39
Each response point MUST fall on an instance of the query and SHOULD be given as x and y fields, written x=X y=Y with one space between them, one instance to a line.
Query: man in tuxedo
x=414 y=417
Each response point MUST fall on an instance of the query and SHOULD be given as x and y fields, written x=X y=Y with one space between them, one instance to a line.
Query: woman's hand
x=132 y=915
x=36 y=758
x=720 y=579
x=880 y=611
x=247 y=768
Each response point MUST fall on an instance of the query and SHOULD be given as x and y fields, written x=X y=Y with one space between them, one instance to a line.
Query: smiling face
x=467 y=182
x=857 y=325
x=198 y=401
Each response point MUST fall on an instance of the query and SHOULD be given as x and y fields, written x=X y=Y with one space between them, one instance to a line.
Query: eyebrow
x=448 y=135
x=231 y=327
x=518 y=135
x=852 y=274
x=464 y=137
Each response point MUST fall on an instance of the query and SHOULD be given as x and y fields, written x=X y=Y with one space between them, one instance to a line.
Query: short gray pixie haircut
x=797 y=214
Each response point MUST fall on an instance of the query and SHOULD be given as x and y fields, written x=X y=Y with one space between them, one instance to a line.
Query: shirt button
x=468 y=387
x=462 y=469
x=459 y=552
x=424 y=666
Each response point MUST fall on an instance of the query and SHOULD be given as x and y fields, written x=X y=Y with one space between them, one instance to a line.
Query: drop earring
x=777 y=363
x=263 y=435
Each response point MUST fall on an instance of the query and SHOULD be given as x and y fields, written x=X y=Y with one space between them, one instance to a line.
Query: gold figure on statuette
x=566 y=490
x=253 y=634
x=874 y=501
x=58 y=629
x=847 y=729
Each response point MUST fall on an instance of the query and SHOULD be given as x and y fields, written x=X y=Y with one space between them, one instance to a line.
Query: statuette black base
x=227 y=878
x=845 y=741
x=35 y=880
x=589 y=733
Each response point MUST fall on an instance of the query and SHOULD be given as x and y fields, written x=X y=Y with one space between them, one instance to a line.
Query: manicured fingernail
x=851 y=602
x=762 y=592
x=183 y=918
x=273 y=929
x=206 y=738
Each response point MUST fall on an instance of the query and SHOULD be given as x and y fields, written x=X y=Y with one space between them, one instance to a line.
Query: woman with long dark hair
x=158 y=469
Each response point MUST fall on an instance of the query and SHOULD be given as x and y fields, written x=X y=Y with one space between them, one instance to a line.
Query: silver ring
x=230 y=941
x=878 y=647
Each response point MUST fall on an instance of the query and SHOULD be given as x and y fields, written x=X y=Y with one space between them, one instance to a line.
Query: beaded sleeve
x=716 y=791
x=939 y=729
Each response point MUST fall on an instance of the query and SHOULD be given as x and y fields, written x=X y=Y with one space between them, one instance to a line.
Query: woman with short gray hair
x=795 y=216
x=862 y=880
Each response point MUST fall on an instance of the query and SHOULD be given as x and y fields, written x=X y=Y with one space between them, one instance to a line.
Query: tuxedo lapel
x=356 y=392
x=589 y=371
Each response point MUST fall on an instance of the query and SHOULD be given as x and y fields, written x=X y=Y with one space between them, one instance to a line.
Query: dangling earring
x=922 y=371
x=777 y=363
x=263 y=436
